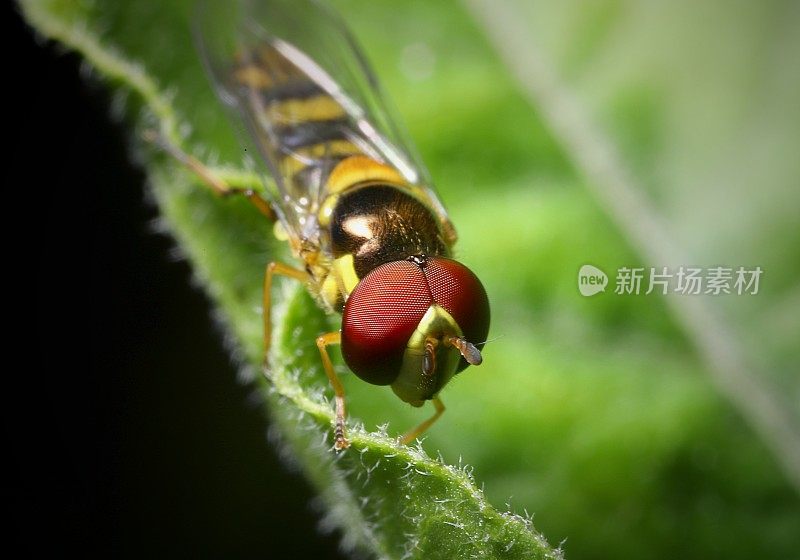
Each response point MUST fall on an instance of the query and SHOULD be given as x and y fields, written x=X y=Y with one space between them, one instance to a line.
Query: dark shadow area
x=135 y=438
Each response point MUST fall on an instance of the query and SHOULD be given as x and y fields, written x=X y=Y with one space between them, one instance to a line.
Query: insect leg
x=323 y=341
x=220 y=187
x=410 y=436
x=274 y=268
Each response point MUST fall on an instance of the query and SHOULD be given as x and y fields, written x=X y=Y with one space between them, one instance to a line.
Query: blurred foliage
x=594 y=414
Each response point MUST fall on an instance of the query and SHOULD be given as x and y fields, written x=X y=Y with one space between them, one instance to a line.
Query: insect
x=356 y=206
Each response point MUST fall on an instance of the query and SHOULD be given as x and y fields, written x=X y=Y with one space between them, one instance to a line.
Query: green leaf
x=598 y=414
x=390 y=500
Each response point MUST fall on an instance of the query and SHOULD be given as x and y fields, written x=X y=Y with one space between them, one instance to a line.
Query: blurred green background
x=599 y=416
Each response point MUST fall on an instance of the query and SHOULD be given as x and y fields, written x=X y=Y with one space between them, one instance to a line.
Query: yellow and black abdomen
x=301 y=129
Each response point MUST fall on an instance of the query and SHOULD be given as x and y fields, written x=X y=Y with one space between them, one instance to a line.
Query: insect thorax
x=372 y=224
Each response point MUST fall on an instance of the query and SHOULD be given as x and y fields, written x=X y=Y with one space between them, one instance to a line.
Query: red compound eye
x=380 y=316
x=386 y=307
x=459 y=291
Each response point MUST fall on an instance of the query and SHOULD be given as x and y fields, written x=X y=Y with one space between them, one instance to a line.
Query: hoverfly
x=355 y=204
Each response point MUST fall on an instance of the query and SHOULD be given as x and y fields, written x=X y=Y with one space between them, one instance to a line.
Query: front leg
x=339 y=434
x=410 y=436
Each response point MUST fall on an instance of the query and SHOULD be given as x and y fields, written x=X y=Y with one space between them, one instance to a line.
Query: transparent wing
x=303 y=97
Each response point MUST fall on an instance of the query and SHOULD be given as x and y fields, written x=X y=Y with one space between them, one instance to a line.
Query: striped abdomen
x=308 y=131
x=366 y=211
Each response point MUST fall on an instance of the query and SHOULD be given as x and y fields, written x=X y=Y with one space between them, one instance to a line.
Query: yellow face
x=430 y=360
